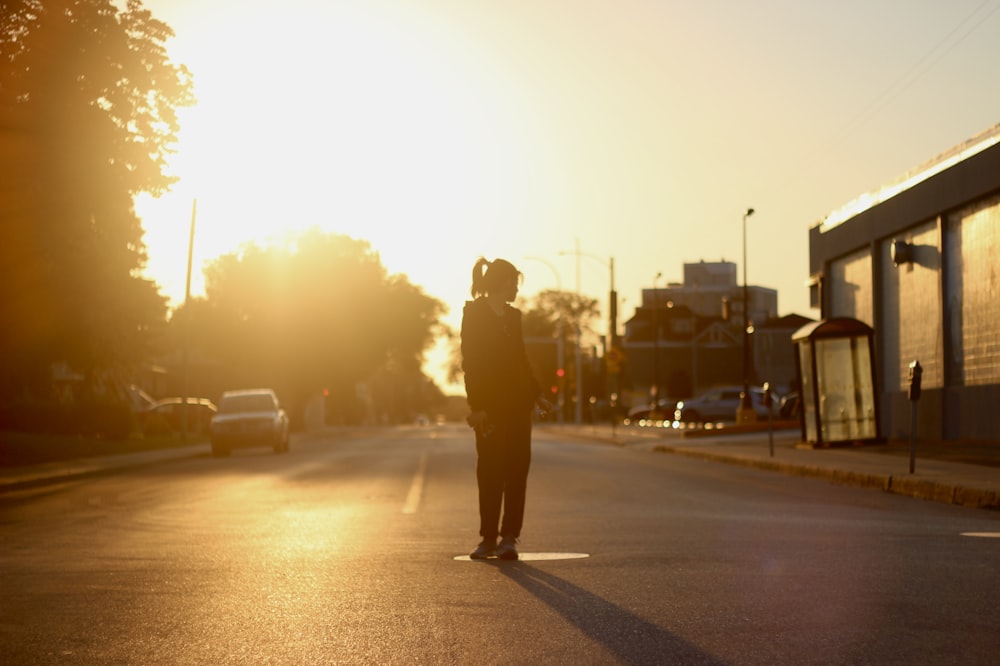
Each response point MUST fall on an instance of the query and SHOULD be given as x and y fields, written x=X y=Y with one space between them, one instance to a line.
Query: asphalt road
x=344 y=551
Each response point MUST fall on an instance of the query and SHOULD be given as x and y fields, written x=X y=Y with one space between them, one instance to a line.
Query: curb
x=919 y=488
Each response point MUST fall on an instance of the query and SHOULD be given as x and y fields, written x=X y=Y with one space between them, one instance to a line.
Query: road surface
x=350 y=550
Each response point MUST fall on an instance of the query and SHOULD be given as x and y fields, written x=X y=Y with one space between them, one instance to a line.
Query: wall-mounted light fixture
x=902 y=252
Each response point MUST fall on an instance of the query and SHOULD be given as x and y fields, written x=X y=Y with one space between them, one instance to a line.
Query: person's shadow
x=629 y=637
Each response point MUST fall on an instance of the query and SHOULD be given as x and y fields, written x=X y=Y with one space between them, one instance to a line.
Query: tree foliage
x=553 y=311
x=569 y=317
x=322 y=313
x=88 y=103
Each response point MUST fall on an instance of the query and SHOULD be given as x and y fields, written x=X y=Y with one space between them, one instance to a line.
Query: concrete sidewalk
x=976 y=486
x=29 y=476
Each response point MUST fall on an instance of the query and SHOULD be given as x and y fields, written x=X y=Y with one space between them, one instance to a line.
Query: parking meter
x=914 y=395
x=768 y=396
x=915 y=373
x=769 y=403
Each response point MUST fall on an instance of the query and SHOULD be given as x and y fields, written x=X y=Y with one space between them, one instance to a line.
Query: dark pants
x=502 y=472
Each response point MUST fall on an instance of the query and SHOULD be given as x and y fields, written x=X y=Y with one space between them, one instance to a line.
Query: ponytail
x=479 y=277
x=489 y=275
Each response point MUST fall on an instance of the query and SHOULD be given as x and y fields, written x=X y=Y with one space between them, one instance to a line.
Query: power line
x=925 y=63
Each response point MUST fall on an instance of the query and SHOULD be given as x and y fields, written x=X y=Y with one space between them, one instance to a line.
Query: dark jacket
x=498 y=377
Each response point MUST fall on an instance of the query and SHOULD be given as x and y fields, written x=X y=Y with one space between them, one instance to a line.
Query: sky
x=559 y=134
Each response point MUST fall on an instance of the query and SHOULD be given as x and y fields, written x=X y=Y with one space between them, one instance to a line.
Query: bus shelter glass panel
x=846 y=392
x=808 y=399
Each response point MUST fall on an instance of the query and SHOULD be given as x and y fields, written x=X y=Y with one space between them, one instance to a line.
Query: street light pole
x=654 y=393
x=745 y=412
x=612 y=308
x=612 y=296
x=612 y=312
x=187 y=325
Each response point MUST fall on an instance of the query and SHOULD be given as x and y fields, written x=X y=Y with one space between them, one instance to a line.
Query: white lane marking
x=988 y=535
x=416 y=486
x=529 y=556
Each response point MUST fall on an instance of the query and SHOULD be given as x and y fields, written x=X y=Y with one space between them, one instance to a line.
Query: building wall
x=710 y=274
x=942 y=309
x=909 y=329
x=850 y=285
x=972 y=282
x=972 y=241
x=913 y=332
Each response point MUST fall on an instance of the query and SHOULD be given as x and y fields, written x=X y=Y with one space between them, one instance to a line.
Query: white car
x=249 y=418
x=718 y=404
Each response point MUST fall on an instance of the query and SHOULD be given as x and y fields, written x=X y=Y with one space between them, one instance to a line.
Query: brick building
x=919 y=261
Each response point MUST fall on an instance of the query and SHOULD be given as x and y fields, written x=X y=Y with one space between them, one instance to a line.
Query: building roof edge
x=977 y=144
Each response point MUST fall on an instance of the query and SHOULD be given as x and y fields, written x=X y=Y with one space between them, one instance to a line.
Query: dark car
x=249 y=418
x=791 y=406
x=166 y=416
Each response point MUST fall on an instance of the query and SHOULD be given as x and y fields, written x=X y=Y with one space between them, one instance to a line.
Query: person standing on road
x=501 y=391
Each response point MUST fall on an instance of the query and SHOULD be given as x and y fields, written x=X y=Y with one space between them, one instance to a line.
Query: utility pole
x=187 y=325
x=654 y=393
x=746 y=412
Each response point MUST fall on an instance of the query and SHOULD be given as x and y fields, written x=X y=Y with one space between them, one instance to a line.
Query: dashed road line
x=416 y=487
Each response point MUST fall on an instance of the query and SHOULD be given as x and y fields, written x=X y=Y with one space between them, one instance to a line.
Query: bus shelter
x=835 y=362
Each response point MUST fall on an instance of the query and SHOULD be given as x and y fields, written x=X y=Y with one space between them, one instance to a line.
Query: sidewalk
x=964 y=484
x=28 y=476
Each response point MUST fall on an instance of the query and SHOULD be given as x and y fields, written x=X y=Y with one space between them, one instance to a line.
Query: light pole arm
x=552 y=268
x=613 y=295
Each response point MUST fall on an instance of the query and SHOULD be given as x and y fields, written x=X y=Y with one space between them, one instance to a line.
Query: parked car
x=718 y=404
x=166 y=416
x=665 y=411
x=139 y=401
x=249 y=418
x=791 y=406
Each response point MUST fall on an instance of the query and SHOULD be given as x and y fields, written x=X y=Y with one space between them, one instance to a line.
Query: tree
x=552 y=310
x=88 y=104
x=568 y=316
x=319 y=314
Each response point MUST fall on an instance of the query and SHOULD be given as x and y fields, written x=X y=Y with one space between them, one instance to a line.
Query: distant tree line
x=88 y=104
x=319 y=316
x=88 y=118
x=88 y=101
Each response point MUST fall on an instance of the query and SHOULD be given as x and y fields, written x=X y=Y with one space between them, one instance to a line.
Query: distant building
x=919 y=261
x=711 y=290
x=686 y=338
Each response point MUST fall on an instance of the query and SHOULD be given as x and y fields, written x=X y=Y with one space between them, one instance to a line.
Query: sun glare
x=380 y=128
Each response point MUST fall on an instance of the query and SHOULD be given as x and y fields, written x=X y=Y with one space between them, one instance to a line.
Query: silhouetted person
x=502 y=392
